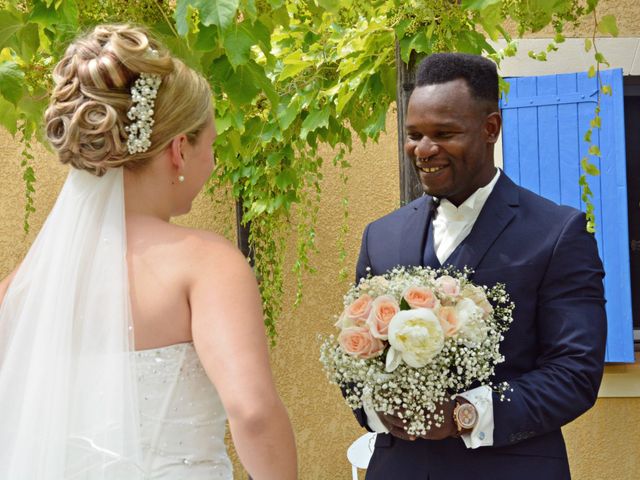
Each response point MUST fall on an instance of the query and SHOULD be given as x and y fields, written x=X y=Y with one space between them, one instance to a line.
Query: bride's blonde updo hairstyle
x=87 y=114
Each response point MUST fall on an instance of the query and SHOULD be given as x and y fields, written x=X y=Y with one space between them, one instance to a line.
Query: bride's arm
x=4 y=285
x=229 y=336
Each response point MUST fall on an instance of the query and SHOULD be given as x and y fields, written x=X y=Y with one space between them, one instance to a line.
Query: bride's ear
x=176 y=153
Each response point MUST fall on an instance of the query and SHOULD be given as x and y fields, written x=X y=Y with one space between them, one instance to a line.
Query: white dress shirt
x=450 y=227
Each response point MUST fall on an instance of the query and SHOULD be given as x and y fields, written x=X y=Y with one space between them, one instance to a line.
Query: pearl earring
x=181 y=178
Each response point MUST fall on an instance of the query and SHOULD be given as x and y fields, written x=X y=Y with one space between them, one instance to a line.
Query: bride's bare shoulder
x=204 y=246
x=197 y=250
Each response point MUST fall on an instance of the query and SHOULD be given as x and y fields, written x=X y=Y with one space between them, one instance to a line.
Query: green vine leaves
x=288 y=77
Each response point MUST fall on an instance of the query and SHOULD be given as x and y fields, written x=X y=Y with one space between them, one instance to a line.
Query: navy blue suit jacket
x=554 y=349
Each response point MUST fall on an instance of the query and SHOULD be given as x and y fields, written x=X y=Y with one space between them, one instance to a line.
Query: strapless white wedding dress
x=182 y=417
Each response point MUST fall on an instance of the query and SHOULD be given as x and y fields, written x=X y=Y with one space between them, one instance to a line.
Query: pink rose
x=420 y=297
x=448 y=285
x=359 y=342
x=383 y=309
x=448 y=321
x=357 y=313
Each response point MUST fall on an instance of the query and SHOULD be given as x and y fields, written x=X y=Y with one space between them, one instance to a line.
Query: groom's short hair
x=480 y=74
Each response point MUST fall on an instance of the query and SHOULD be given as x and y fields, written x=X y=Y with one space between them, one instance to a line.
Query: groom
x=474 y=215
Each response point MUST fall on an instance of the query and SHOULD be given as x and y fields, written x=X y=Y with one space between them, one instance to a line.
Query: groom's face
x=450 y=137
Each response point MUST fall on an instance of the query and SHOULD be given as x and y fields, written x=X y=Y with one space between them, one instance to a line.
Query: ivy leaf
x=420 y=43
x=478 y=4
x=10 y=24
x=286 y=178
x=589 y=168
x=288 y=113
x=293 y=64
x=11 y=80
x=588 y=44
x=607 y=24
x=316 y=119
x=606 y=90
x=29 y=40
x=491 y=19
x=402 y=26
x=600 y=59
x=241 y=87
x=249 y=9
x=212 y=12
x=237 y=44
x=260 y=79
x=330 y=5
x=592 y=71
x=596 y=122
x=207 y=39
x=8 y=116
x=594 y=150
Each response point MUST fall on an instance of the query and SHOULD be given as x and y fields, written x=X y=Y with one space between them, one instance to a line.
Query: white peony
x=415 y=337
x=472 y=327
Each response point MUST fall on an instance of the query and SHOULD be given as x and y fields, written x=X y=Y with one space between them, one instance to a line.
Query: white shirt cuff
x=373 y=420
x=482 y=434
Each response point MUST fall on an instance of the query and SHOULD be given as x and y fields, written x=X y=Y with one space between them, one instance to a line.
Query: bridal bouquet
x=414 y=337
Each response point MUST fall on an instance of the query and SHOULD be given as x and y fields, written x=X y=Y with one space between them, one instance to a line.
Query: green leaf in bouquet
x=404 y=305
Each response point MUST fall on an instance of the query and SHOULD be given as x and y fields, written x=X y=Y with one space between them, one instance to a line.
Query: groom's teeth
x=431 y=170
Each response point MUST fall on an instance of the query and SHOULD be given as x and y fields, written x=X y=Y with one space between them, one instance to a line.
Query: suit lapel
x=414 y=233
x=496 y=214
x=430 y=259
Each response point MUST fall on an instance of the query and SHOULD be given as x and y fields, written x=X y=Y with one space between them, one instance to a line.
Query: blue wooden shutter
x=545 y=119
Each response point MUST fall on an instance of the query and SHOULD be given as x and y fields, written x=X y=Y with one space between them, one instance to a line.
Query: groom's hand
x=448 y=427
x=395 y=425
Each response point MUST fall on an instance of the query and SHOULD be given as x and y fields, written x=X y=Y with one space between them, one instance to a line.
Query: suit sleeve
x=363 y=259
x=571 y=323
x=361 y=271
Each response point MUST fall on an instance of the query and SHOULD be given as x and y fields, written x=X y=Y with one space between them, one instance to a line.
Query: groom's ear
x=492 y=126
x=175 y=150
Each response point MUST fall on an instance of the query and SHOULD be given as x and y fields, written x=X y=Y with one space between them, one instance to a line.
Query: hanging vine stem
x=606 y=25
x=28 y=175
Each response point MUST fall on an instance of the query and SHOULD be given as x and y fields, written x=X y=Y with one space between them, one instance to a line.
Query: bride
x=126 y=341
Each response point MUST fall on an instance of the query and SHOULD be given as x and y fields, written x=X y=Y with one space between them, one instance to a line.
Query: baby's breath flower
x=415 y=393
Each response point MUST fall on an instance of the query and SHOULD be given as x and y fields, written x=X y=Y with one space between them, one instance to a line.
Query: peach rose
x=357 y=313
x=359 y=342
x=448 y=285
x=448 y=321
x=465 y=319
x=420 y=297
x=383 y=310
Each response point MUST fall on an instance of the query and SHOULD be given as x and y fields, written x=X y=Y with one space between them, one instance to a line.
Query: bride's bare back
x=160 y=261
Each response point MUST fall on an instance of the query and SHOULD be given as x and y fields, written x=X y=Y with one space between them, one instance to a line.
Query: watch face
x=466 y=416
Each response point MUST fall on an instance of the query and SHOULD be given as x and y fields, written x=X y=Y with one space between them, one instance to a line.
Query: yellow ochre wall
x=603 y=444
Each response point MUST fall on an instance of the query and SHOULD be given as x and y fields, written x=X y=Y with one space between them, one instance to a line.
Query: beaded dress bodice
x=182 y=417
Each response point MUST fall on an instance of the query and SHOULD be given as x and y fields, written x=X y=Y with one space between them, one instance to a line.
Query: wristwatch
x=465 y=416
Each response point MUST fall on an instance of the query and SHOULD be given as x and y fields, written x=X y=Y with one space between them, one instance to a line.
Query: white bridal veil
x=68 y=405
